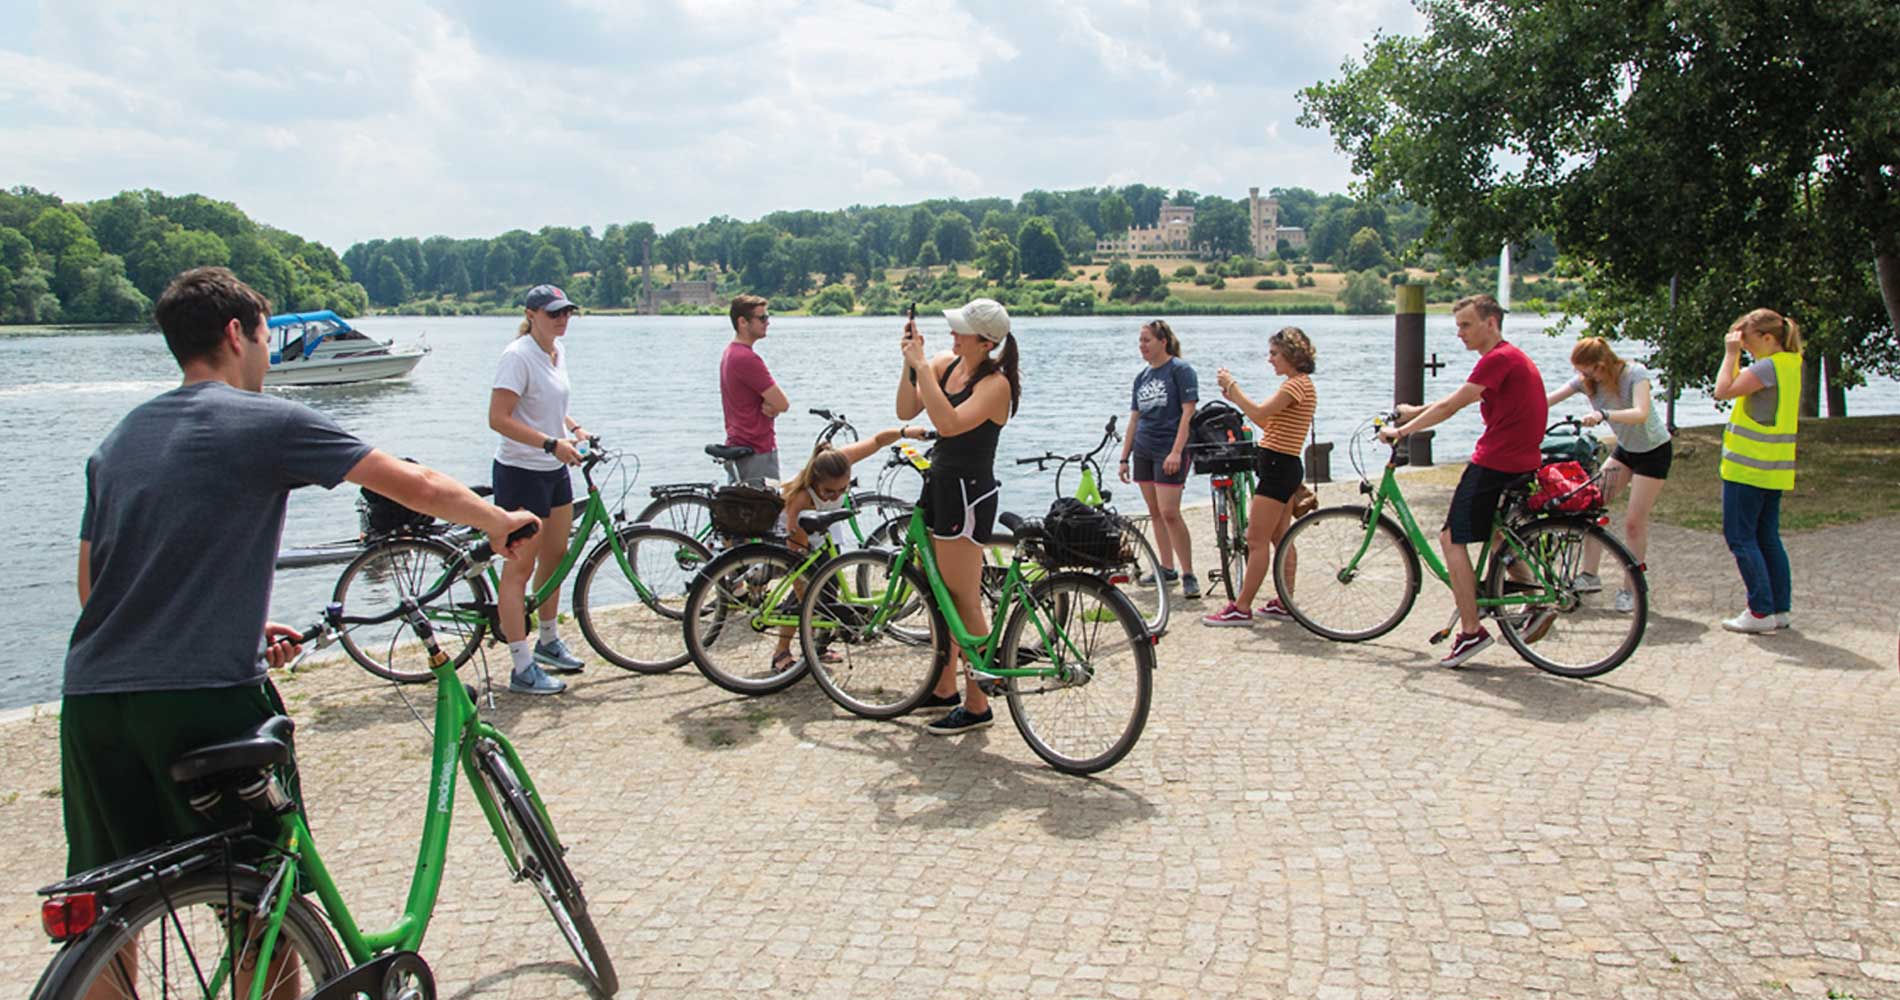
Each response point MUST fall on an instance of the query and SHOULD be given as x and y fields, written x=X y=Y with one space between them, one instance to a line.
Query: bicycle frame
x=458 y=730
x=1387 y=493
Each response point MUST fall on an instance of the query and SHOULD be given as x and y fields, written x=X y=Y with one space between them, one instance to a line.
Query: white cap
x=985 y=318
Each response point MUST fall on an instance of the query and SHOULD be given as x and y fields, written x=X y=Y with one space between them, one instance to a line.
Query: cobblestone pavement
x=1301 y=819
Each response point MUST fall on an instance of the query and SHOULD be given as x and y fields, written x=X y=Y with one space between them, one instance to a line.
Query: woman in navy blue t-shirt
x=1154 y=452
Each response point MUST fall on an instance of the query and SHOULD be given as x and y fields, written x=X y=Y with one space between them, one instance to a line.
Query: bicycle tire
x=539 y=859
x=1094 y=618
x=1230 y=543
x=156 y=923
x=1326 y=601
x=1151 y=603
x=403 y=566
x=721 y=638
x=626 y=629
x=687 y=513
x=882 y=673
x=875 y=510
x=1585 y=637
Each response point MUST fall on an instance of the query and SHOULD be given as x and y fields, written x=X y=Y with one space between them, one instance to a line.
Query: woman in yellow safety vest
x=1758 y=460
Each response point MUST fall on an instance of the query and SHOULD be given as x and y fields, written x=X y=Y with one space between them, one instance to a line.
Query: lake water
x=649 y=385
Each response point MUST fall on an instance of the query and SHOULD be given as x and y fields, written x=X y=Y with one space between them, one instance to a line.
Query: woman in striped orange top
x=1284 y=419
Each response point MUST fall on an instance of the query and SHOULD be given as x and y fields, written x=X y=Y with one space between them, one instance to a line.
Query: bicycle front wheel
x=536 y=857
x=633 y=620
x=1575 y=635
x=173 y=944
x=1344 y=575
x=737 y=610
x=1086 y=713
x=1151 y=603
x=872 y=640
x=874 y=511
x=1230 y=542
x=396 y=569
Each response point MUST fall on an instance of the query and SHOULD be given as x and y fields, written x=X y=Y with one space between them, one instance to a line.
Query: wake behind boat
x=320 y=348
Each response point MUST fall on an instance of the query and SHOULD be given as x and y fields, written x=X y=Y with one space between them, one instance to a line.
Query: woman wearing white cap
x=528 y=407
x=969 y=394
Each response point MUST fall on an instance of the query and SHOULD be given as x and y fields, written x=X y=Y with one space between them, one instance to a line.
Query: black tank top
x=973 y=452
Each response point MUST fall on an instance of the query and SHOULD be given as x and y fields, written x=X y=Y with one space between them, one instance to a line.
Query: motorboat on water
x=321 y=348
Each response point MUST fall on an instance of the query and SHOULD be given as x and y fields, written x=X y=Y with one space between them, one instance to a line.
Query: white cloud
x=351 y=121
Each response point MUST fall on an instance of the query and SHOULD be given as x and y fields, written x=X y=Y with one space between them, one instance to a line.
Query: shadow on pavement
x=1533 y=694
x=495 y=984
x=1798 y=649
x=1664 y=630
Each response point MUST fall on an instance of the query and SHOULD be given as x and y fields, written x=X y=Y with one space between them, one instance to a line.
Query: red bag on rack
x=1565 y=486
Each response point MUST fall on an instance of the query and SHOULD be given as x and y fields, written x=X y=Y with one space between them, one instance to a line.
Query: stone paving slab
x=1303 y=819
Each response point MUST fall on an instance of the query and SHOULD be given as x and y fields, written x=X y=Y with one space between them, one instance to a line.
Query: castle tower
x=1264 y=215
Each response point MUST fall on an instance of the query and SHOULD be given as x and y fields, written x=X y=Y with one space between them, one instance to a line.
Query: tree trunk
x=1836 y=392
x=1811 y=384
x=1887 y=269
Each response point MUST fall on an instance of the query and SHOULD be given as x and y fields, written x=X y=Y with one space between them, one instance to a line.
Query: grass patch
x=1848 y=471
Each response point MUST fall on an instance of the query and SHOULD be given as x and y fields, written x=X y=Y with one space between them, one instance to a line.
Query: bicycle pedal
x=1440 y=636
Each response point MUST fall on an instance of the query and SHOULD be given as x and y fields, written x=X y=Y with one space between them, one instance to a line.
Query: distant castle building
x=687 y=293
x=1171 y=235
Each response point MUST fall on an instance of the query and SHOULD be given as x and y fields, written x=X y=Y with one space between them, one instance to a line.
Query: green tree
x=1365 y=250
x=1147 y=283
x=1365 y=293
x=675 y=250
x=498 y=269
x=927 y=255
x=387 y=284
x=16 y=251
x=1119 y=275
x=996 y=255
x=1222 y=227
x=610 y=283
x=1040 y=250
x=69 y=271
x=177 y=250
x=955 y=239
x=55 y=230
x=1787 y=195
x=1116 y=215
x=107 y=296
x=921 y=224
x=832 y=300
x=547 y=266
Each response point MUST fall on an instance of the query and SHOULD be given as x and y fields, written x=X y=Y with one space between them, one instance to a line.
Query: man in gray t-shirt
x=183 y=512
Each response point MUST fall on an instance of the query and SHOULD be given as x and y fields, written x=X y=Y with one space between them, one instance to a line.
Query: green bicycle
x=1068 y=651
x=1230 y=465
x=1356 y=574
x=628 y=594
x=187 y=920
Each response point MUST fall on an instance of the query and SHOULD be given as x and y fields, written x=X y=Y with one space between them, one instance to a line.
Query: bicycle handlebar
x=821 y=414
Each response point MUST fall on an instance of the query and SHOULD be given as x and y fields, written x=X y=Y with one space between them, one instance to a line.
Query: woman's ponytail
x=1005 y=362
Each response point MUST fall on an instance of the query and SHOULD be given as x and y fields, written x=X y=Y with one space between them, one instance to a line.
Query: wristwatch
x=547 y=444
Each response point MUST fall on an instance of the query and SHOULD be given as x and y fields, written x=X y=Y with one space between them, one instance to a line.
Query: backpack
x=1076 y=534
x=1217 y=422
x=379 y=515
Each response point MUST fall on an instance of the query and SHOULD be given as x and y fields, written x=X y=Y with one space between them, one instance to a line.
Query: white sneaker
x=1586 y=583
x=1784 y=620
x=1625 y=602
x=1750 y=623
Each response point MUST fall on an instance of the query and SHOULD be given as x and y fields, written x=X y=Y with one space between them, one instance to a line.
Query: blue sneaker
x=534 y=681
x=556 y=657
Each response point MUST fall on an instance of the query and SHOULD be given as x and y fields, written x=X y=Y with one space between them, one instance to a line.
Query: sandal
x=783 y=660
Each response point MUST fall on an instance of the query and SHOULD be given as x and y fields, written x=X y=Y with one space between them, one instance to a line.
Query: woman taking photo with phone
x=1758 y=460
x=1154 y=453
x=969 y=392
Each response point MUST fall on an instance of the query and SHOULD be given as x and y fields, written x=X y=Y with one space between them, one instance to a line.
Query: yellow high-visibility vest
x=1763 y=454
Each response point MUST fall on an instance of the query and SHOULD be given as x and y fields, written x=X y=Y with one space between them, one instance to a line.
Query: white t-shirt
x=541 y=382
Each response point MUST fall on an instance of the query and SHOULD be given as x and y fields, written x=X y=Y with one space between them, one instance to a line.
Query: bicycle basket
x=1217 y=422
x=380 y=515
x=1225 y=458
x=1076 y=534
x=1565 y=486
x=746 y=511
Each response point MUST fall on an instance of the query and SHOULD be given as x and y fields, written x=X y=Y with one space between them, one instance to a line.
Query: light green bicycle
x=226 y=915
x=1068 y=652
x=1351 y=573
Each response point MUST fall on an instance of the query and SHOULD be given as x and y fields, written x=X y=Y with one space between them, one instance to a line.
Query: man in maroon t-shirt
x=751 y=398
x=1514 y=410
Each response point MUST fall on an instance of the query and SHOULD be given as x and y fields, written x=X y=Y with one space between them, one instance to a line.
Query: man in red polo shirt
x=1515 y=410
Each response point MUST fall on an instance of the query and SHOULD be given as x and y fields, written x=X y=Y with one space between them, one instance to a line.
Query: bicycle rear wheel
x=1356 y=578
x=874 y=511
x=395 y=569
x=1086 y=715
x=631 y=629
x=689 y=514
x=1230 y=542
x=723 y=608
x=879 y=669
x=1576 y=635
x=173 y=944
x=536 y=857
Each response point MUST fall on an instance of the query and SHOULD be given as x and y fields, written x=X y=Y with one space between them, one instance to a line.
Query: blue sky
x=345 y=121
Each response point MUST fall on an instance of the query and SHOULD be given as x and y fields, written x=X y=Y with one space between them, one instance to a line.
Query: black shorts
x=1653 y=463
x=1149 y=470
x=536 y=491
x=1474 y=505
x=1276 y=474
x=959 y=506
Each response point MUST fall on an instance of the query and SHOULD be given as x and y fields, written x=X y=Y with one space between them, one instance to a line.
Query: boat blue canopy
x=327 y=324
x=286 y=319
